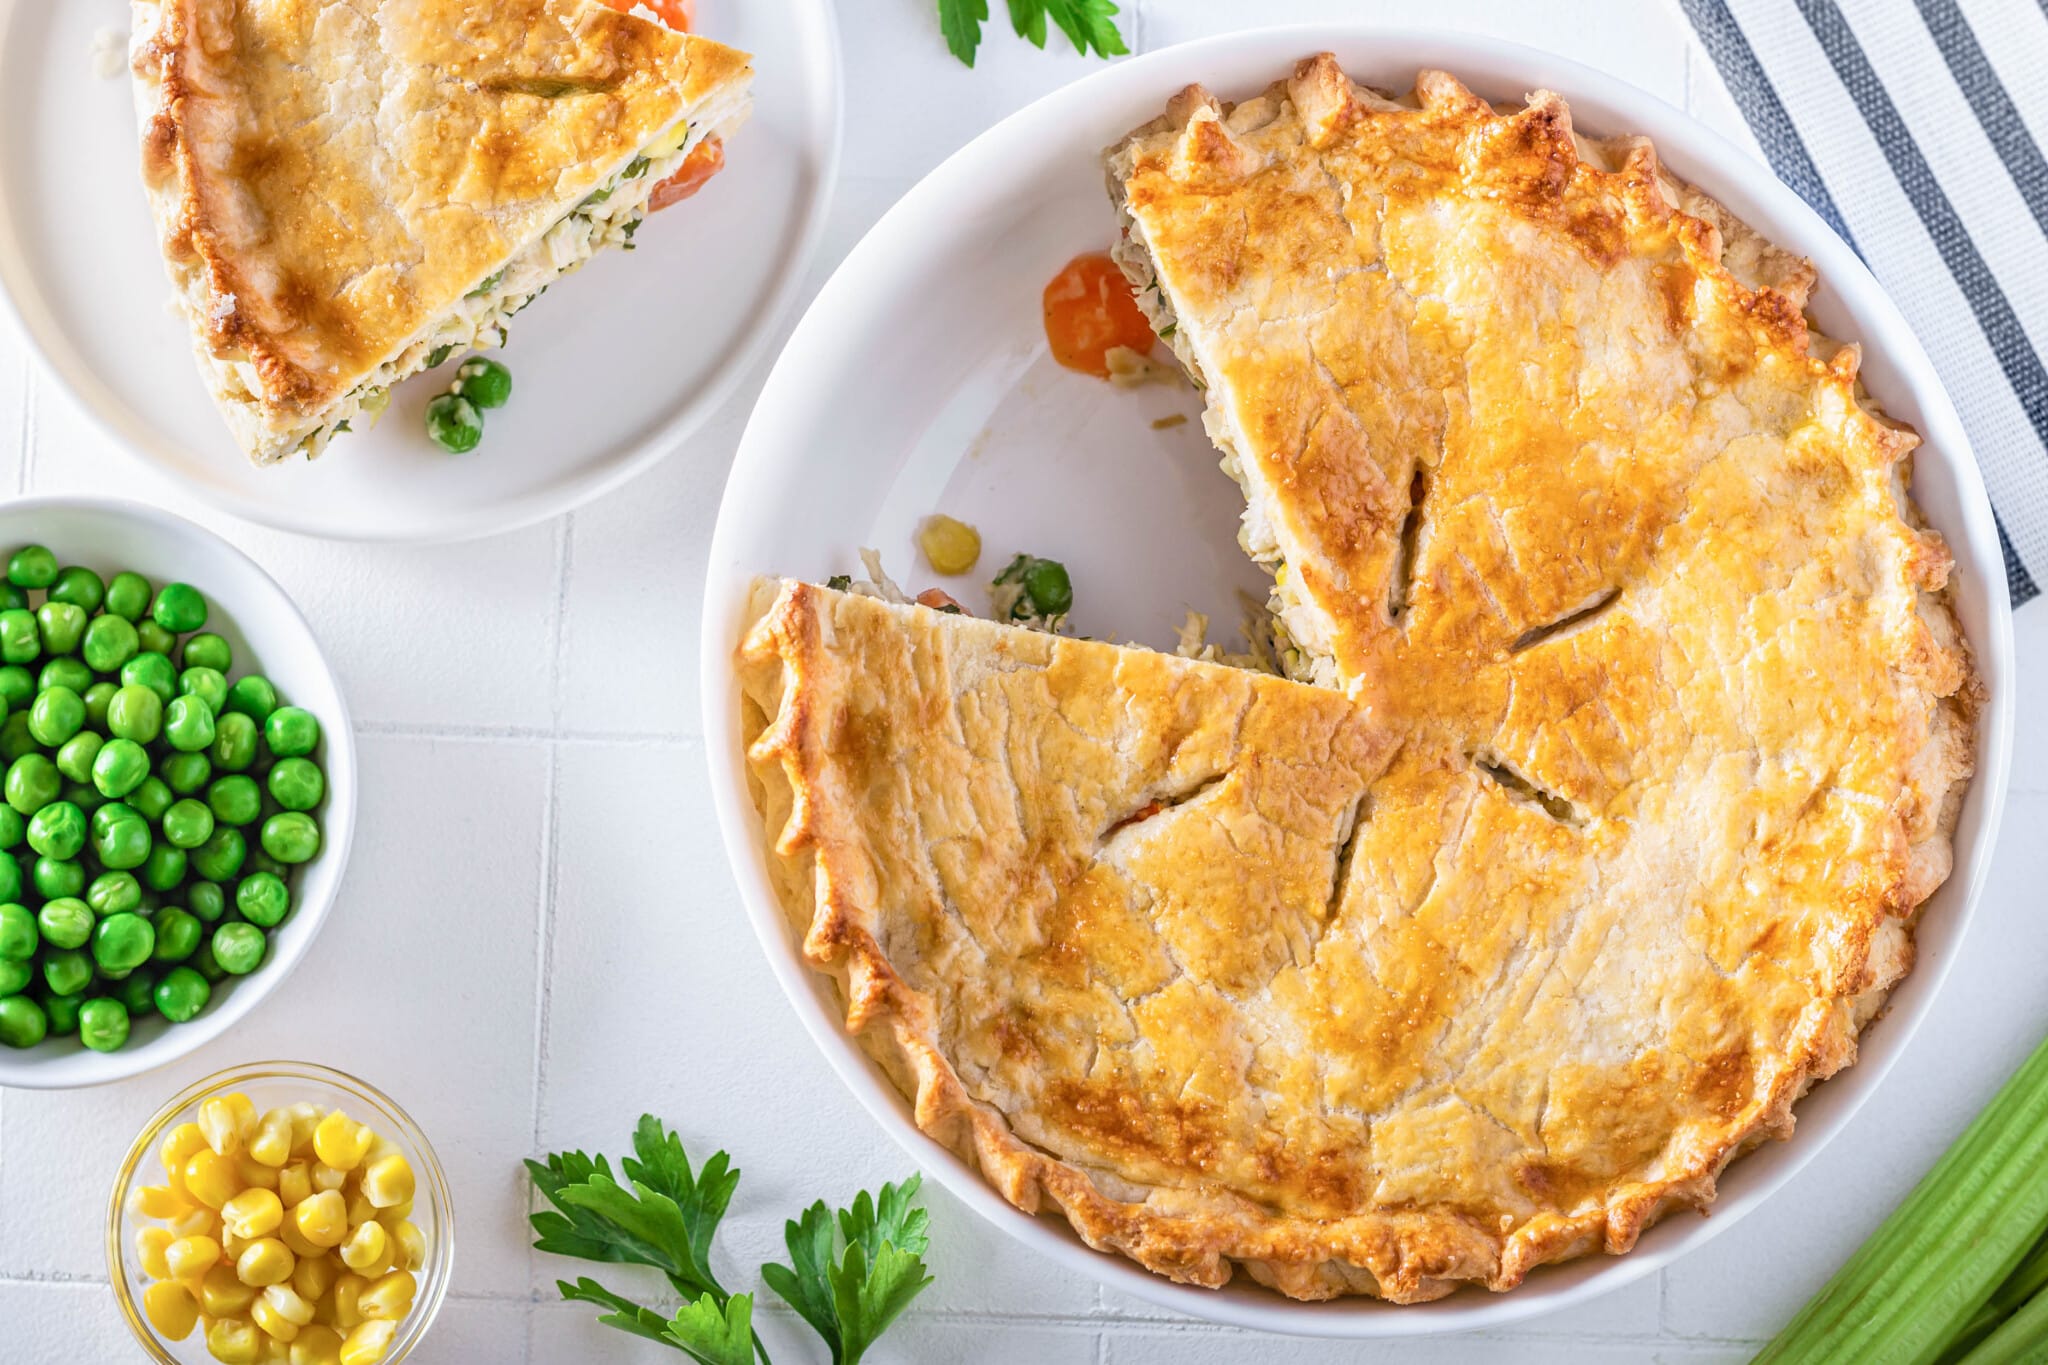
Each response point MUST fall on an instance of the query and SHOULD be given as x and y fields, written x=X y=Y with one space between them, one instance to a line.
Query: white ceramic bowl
x=268 y=636
x=919 y=381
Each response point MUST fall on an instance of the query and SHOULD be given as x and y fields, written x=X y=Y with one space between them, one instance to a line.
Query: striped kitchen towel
x=1915 y=128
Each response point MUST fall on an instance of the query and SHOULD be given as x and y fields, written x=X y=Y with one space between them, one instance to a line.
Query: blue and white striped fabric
x=1915 y=127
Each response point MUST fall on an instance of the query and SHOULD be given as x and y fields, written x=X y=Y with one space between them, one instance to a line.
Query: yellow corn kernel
x=211 y=1179
x=313 y=1277
x=273 y=1323
x=222 y=1125
x=388 y=1181
x=367 y=1342
x=288 y=1304
x=171 y=1309
x=341 y=1142
x=221 y=1295
x=274 y=1351
x=272 y=1144
x=191 y=1257
x=367 y=1250
x=326 y=1177
x=396 y=1214
x=348 y=1295
x=323 y=1219
x=255 y=1174
x=305 y=1117
x=198 y=1221
x=288 y=1233
x=411 y=1244
x=149 y=1251
x=360 y=1209
x=295 y=1183
x=179 y=1144
x=233 y=1341
x=389 y=1297
x=264 y=1262
x=157 y=1201
x=950 y=546
x=253 y=1213
x=316 y=1345
x=234 y=1244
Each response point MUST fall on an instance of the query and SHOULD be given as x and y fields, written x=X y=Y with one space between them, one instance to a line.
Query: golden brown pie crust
x=1604 y=846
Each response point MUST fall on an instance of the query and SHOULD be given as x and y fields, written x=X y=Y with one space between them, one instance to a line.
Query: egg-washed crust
x=329 y=178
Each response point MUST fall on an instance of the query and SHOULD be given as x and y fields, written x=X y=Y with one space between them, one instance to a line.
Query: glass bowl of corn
x=280 y=1212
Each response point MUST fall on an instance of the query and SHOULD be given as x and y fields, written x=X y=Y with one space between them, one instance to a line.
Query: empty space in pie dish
x=919 y=383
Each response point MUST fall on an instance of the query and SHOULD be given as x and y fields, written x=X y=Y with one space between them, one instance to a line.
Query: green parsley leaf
x=805 y=1287
x=850 y=1302
x=664 y=1167
x=870 y=1296
x=626 y=1315
x=714 y=1337
x=1090 y=25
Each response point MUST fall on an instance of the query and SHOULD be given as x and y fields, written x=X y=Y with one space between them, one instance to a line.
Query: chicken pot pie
x=1629 y=727
x=348 y=193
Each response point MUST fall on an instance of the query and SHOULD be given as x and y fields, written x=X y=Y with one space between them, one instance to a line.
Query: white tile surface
x=540 y=920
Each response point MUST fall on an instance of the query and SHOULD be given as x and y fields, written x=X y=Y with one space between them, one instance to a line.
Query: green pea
x=65 y=923
x=67 y=972
x=291 y=837
x=61 y=626
x=207 y=965
x=128 y=596
x=122 y=842
x=207 y=650
x=153 y=671
x=121 y=942
x=120 y=766
x=454 y=424
x=103 y=1025
x=20 y=638
x=152 y=798
x=17 y=687
x=291 y=731
x=83 y=795
x=206 y=900
x=263 y=900
x=137 y=992
x=238 y=947
x=164 y=869
x=182 y=994
x=179 y=608
x=234 y=742
x=188 y=824
x=22 y=1022
x=207 y=684
x=13 y=827
x=15 y=740
x=135 y=713
x=10 y=880
x=110 y=642
x=12 y=597
x=62 y=1011
x=187 y=773
x=484 y=382
x=15 y=977
x=221 y=856
x=234 y=800
x=32 y=566
x=97 y=698
x=188 y=726
x=56 y=878
x=259 y=861
x=154 y=639
x=65 y=672
x=113 y=892
x=57 y=830
x=178 y=933
x=32 y=782
x=297 y=784
x=19 y=936
x=57 y=715
x=82 y=588
x=78 y=754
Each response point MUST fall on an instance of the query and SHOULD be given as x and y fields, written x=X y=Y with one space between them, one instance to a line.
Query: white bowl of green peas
x=177 y=789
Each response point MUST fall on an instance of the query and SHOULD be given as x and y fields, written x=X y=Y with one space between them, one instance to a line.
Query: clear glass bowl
x=273 y=1085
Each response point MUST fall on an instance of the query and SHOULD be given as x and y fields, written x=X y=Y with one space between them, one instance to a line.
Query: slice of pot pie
x=348 y=193
x=1646 y=725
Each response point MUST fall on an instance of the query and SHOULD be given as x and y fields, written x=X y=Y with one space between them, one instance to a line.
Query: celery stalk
x=2022 y=1285
x=1920 y=1279
x=2022 y=1338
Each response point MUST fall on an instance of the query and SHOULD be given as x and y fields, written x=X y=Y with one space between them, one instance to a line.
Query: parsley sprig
x=849 y=1276
x=1090 y=25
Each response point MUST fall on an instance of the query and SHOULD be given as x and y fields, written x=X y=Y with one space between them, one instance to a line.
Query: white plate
x=919 y=380
x=610 y=371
